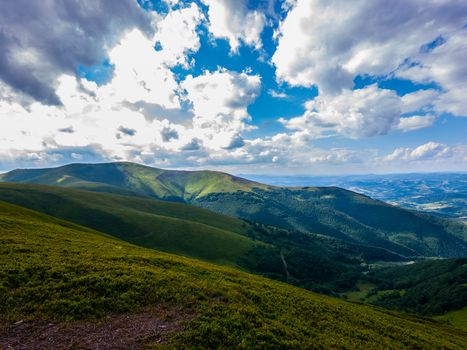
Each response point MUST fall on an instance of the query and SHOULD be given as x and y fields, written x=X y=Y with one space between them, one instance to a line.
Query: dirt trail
x=285 y=267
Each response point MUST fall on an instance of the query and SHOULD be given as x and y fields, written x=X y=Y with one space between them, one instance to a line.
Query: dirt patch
x=127 y=331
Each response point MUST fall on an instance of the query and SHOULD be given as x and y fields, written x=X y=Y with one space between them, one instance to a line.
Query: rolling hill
x=308 y=260
x=328 y=211
x=62 y=284
x=133 y=178
x=167 y=226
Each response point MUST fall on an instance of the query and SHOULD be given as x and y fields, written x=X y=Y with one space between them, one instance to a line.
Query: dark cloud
x=68 y=130
x=169 y=134
x=127 y=131
x=41 y=39
x=193 y=145
x=236 y=142
x=152 y=111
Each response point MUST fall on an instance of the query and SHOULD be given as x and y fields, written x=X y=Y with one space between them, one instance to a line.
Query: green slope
x=332 y=212
x=56 y=271
x=345 y=215
x=456 y=318
x=311 y=261
x=144 y=180
x=167 y=226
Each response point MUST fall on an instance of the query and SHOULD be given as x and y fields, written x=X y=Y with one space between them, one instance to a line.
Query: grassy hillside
x=129 y=177
x=345 y=215
x=310 y=261
x=456 y=318
x=332 y=212
x=167 y=226
x=54 y=274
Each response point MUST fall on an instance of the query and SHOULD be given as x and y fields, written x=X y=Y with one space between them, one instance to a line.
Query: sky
x=292 y=87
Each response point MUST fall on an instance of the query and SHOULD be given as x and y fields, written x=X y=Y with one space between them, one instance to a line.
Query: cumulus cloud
x=328 y=43
x=139 y=113
x=176 y=35
x=445 y=65
x=369 y=111
x=41 y=40
x=233 y=21
x=149 y=111
x=429 y=150
x=219 y=100
x=415 y=122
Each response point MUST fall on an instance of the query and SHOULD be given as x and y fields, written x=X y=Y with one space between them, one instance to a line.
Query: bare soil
x=126 y=331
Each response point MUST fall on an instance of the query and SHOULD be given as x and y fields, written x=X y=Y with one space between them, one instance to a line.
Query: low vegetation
x=311 y=261
x=329 y=211
x=57 y=271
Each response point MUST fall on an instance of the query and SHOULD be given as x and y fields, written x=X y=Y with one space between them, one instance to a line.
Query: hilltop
x=125 y=177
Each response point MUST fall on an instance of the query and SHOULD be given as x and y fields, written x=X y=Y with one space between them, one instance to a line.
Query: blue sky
x=298 y=87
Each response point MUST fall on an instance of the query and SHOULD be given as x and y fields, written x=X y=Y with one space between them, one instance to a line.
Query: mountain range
x=87 y=240
x=328 y=211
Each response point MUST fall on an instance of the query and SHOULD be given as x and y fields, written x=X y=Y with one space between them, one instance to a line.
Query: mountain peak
x=180 y=185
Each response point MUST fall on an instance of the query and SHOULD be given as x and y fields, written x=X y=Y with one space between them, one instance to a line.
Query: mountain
x=347 y=216
x=64 y=285
x=442 y=194
x=328 y=211
x=311 y=261
x=133 y=178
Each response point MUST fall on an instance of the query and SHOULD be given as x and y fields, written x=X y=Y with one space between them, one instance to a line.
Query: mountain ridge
x=331 y=211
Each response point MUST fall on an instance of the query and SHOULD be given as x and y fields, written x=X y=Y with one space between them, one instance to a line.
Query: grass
x=329 y=211
x=135 y=178
x=314 y=262
x=359 y=295
x=167 y=226
x=55 y=270
x=456 y=318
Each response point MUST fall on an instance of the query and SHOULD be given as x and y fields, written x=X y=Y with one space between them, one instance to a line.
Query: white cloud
x=177 y=34
x=220 y=100
x=445 y=65
x=419 y=100
x=427 y=151
x=231 y=20
x=415 y=122
x=277 y=94
x=41 y=40
x=365 y=112
x=140 y=73
x=129 y=117
x=329 y=42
